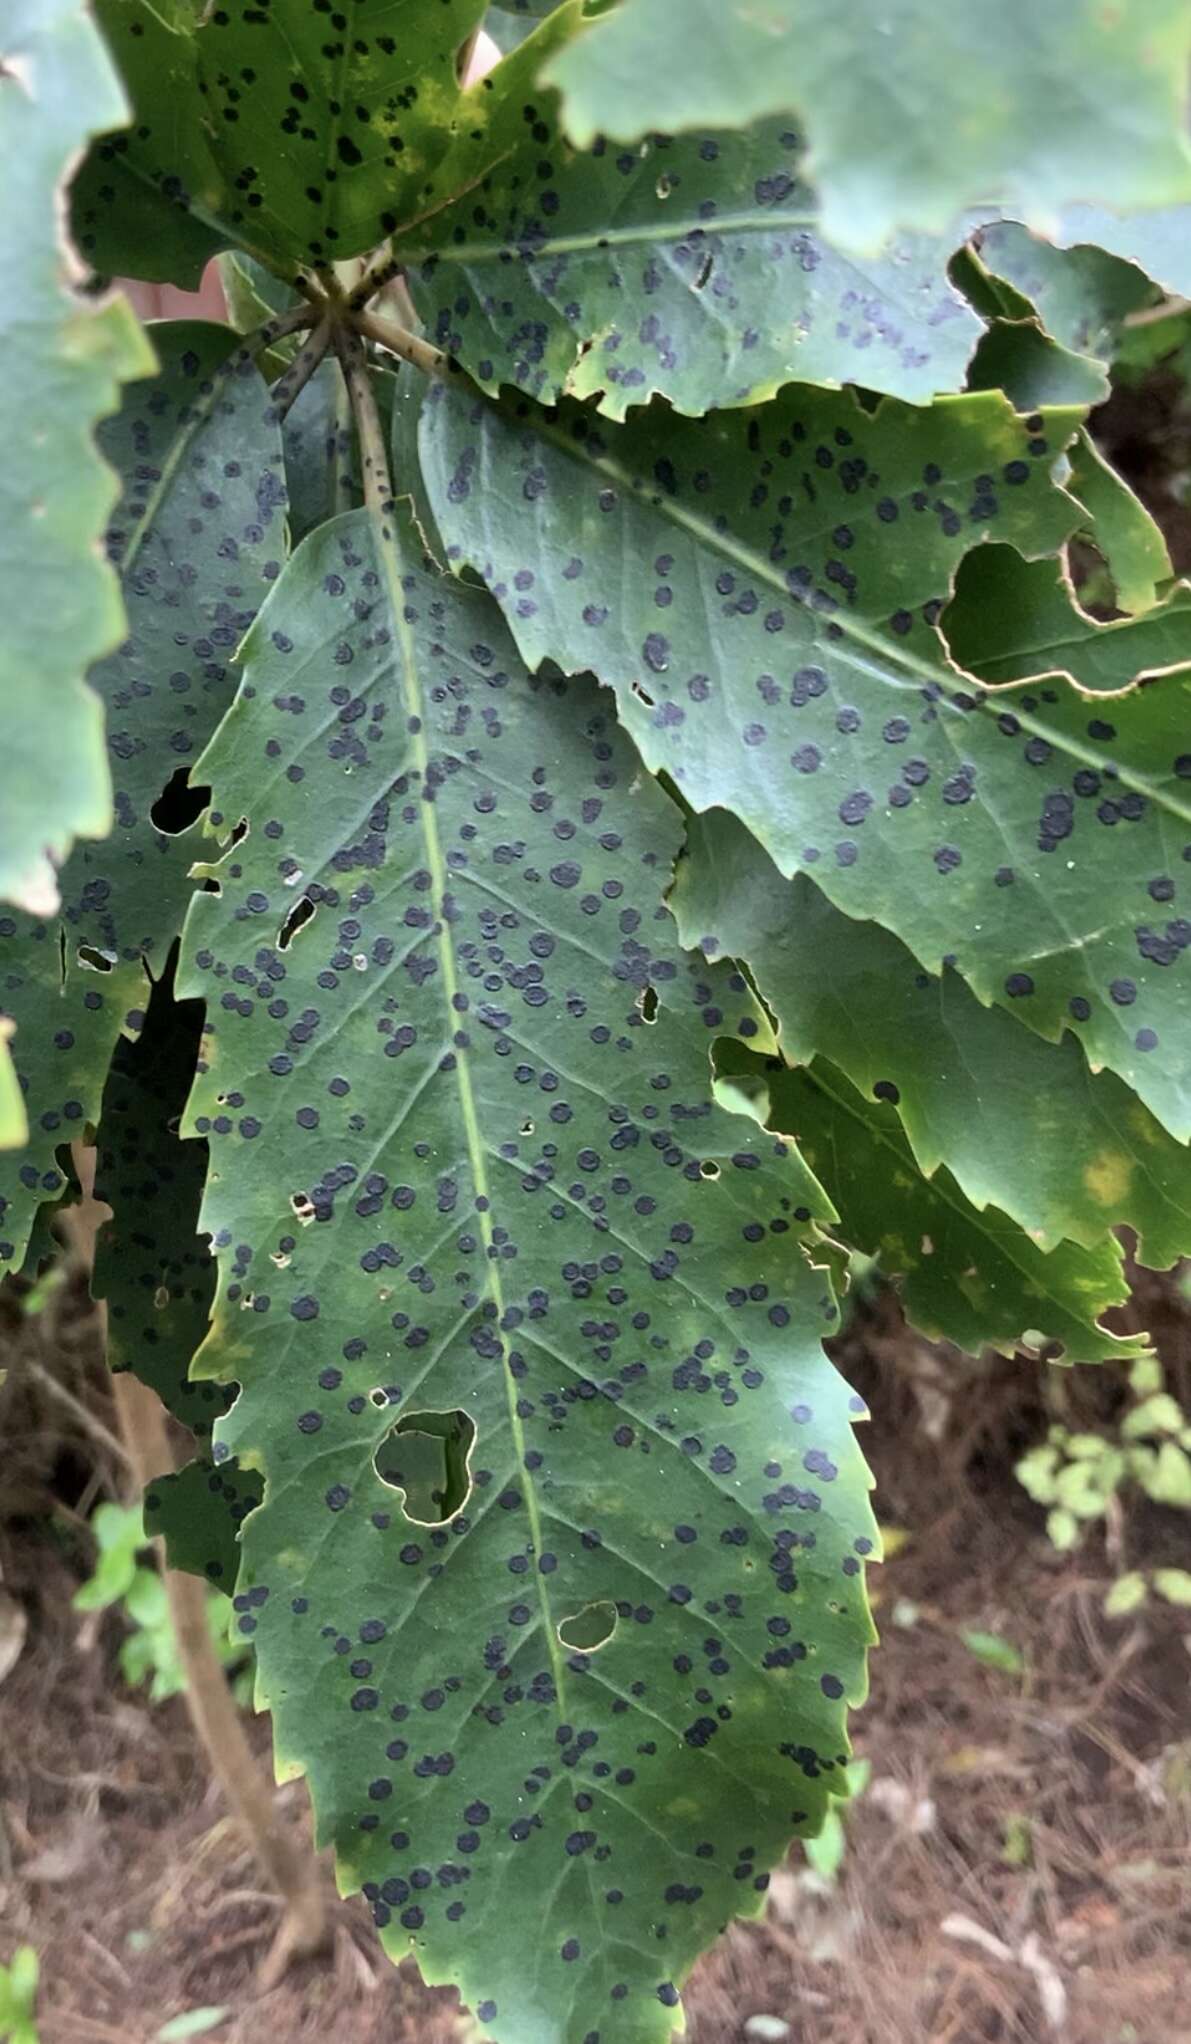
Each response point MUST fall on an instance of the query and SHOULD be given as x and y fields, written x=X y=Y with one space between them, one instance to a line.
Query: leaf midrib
x=388 y=548
x=497 y=248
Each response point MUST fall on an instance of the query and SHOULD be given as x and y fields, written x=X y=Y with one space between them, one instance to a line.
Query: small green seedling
x=1079 y=1475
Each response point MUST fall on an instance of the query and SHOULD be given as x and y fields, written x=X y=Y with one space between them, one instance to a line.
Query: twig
x=109 y=1959
x=381 y=271
x=275 y=329
x=214 y=1715
x=293 y=381
x=74 y=1405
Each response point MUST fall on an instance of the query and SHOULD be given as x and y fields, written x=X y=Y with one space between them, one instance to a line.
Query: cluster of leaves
x=671 y=824
x=1080 y=1476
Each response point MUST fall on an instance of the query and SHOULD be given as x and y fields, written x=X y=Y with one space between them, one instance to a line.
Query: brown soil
x=118 y=1862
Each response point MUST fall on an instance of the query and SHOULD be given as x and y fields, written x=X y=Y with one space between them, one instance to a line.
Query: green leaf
x=825 y=1853
x=117 y=1528
x=1018 y=1848
x=237 y=142
x=1036 y=1473
x=1081 y=295
x=1084 y=1488
x=912 y=112
x=512 y=20
x=321 y=465
x=14 y=1124
x=972 y=1088
x=1013 y=620
x=119 y=1534
x=253 y=296
x=59 y=603
x=1120 y=527
x=145 y=1598
x=1034 y=371
x=970 y=1276
x=1168 y=1482
x=1154 y=238
x=1063 y=1529
x=198 y=536
x=761 y=589
x=476 y=1167
x=145 y=204
x=1127 y=1594
x=1161 y=1414
x=993 y=1650
x=1174 y=1584
x=409 y=484
x=156 y=1277
x=191 y=2023
x=688 y=266
x=198 y=1511
x=23 y=1974
x=154 y=1274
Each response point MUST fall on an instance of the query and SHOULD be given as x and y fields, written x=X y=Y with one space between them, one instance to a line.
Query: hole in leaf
x=296 y=920
x=96 y=960
x=709 y=1168
x=426 y=1456
x=587 y=1630
x=178 y=805
x=647 y=1004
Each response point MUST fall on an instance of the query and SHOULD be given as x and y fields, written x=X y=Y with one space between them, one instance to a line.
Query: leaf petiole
x=411 y=347
x=294 y=379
